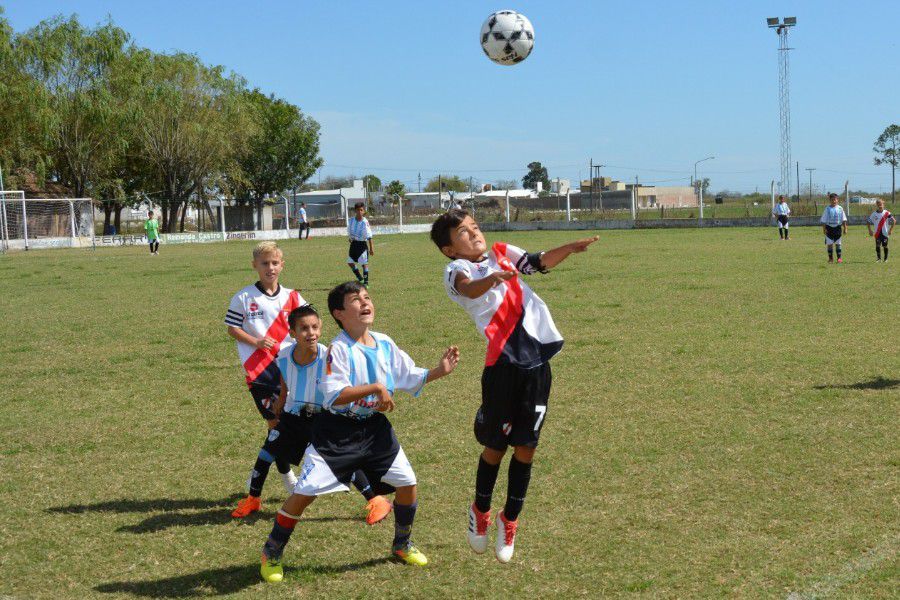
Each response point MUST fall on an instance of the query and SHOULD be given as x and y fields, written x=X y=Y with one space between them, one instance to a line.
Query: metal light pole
x=699 y=184
x=784 y=102
x=810 y=183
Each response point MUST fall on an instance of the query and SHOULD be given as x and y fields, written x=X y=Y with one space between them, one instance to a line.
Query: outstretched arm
x=448 y=362
x=478 y=287
x=551 y=258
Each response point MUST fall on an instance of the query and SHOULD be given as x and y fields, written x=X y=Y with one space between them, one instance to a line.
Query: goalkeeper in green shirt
x=151 y=226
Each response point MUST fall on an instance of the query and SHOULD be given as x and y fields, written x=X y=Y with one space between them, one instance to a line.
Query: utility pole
x=420 y=182
x=810 y=183
x=798 y=182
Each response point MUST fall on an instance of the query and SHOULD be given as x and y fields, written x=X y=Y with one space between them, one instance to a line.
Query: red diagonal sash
x=278 y=330
x=508 y=313
x=881 y=223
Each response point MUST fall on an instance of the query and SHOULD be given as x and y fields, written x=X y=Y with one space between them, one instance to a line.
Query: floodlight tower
x=784 y=101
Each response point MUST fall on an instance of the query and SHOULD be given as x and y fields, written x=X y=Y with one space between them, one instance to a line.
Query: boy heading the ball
x=363 y=371
x=515 y=383
x=257 y=320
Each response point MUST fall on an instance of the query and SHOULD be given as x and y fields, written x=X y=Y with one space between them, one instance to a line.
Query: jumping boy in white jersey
x=883 y=222
x=515 y=383
x=781 y=212
x=363 y=371
x=302 y=367
x=834 y=226
x=361 y=248
x=257 y=320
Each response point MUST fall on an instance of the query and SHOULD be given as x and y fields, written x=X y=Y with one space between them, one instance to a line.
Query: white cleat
x=478 y=526
x=506 y=538
x=290 y=481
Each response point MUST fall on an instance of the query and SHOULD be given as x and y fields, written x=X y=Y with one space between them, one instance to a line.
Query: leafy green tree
x=887 y=150
x=395 y=188
x=282 y=151
x=536 y=173
x=192 y=118
x=448 y=183
x=371 y=183
x=77 y=114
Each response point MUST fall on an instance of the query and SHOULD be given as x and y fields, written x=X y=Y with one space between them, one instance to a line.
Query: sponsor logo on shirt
x=254 y=313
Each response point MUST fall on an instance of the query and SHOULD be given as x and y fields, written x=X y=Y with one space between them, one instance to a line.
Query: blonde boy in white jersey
x=257 y=320
x=883 y=222
x=515 y=384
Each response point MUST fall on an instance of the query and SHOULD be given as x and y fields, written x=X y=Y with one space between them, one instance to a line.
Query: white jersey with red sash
x=262 y=315
x=515 y=321
x=882 y=222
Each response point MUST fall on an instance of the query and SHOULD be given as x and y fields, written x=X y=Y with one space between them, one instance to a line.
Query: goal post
x=27 y=223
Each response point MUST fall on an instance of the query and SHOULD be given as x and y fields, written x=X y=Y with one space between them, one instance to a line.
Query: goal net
x=44 y=222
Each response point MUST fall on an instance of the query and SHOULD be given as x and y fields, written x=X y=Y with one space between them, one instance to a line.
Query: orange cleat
x=245 y=507
x=378 y=508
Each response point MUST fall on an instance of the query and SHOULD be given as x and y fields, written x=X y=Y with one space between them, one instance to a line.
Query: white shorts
x=317 y=478
x=831 y=242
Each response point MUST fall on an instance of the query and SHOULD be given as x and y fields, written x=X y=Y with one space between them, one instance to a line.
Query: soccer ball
x=507 y=37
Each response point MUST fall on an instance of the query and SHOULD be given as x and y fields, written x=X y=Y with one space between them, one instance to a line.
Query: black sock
x=260 y=472
x=361 y=482
x=787 y=234
x=878 y=251
x=830 y=253
x=839 y=251
x=281 y=534
x=356 y=272
x=519 y=476
x=781 y=233
x=885 y=253
x=485 y=479
x=366 y=275
x=403 y=522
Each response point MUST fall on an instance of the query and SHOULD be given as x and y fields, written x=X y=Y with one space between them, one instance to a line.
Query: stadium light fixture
x=790 y=21
x=772 y=21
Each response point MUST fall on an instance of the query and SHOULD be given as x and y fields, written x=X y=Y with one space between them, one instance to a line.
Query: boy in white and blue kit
x=834 y=226
x=360 y=233
x=363 y=371
x=781 y=212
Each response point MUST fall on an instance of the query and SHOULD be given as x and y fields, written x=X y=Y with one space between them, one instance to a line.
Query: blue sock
x=403 y=522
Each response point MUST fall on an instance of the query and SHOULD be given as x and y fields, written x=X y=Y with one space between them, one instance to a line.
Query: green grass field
x=724 y=423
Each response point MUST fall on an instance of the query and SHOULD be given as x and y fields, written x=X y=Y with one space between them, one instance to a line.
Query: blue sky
x=402 y=87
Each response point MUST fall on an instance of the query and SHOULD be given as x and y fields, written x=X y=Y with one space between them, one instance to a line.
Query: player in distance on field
x=834 y=226
x=781 y=212
x=257 y=320
x=363 y=371
x=361 y=248
x=302 y=368
x=883 y=222
x=515 y=383
x=302 y=221
x=151 y=227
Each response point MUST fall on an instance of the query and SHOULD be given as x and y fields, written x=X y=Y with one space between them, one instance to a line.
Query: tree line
x=87 y=109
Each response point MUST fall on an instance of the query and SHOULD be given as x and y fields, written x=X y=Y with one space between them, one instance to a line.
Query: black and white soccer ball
x=507 y=37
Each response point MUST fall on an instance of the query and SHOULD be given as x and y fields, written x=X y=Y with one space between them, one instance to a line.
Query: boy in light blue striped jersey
x=360 y=234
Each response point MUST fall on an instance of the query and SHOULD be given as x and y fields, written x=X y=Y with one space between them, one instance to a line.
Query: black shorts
x=290 y=437
x=834 y=233
x=264 y=397
x=782 y=219
x=357 y=249
x=513 y=405
x=881 y=240
x=348 y=445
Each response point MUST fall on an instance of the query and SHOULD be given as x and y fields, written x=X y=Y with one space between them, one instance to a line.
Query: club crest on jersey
x=482 y=269
x=506 y=428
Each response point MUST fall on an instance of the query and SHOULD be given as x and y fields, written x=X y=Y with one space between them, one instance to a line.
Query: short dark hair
x=440 y=229
x=149 y=212
x=298 y=313
x=303 y=204
x=832 y=195
x=358 y=205
x=337 y=295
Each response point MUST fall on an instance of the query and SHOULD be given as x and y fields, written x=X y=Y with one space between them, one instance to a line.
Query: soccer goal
x=44 y=222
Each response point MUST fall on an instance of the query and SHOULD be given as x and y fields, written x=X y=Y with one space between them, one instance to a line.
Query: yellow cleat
x=411 y=555
x=271 y=570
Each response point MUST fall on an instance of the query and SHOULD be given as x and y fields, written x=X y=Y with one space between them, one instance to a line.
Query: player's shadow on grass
x=128 y=505
x=876 y=383
x=224 y=580
x=211 y=517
